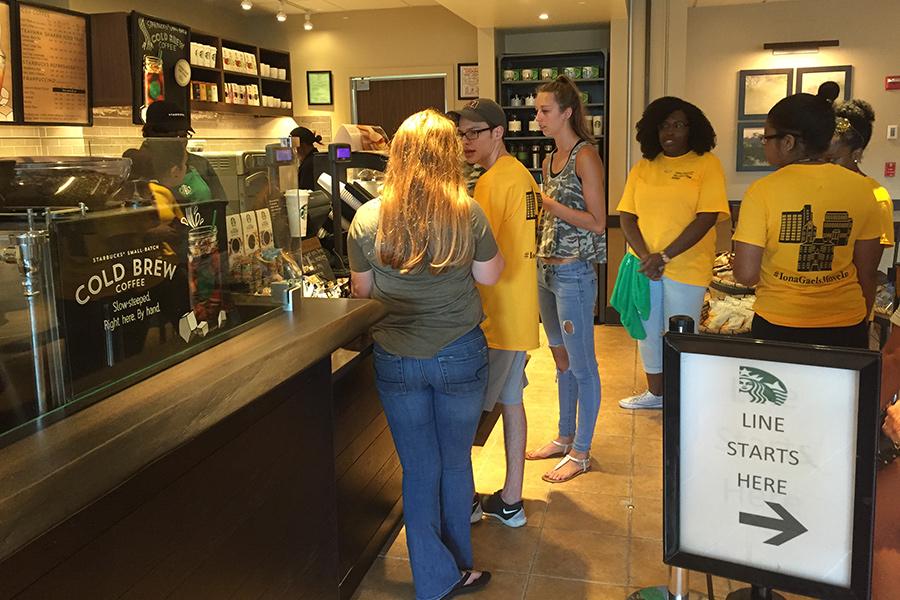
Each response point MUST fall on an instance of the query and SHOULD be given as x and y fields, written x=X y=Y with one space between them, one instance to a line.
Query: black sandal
x=462 y=588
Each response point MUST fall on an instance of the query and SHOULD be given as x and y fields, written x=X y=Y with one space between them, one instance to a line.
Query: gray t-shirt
x=425 y=312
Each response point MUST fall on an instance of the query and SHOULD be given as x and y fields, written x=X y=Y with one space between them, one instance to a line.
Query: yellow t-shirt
x=666 y=194
x=807 y=219
x=508 y=195
x=886 y=210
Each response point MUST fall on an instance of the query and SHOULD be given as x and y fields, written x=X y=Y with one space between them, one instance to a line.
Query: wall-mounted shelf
x=541 y=81
x=241 y=109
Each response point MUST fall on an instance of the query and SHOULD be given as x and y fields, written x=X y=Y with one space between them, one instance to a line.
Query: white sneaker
x=645 y=400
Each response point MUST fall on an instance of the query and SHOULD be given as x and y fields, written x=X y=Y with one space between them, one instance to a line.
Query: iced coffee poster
x=7 y=113
x=139 y=288
x=157 y=46
x=55 y=63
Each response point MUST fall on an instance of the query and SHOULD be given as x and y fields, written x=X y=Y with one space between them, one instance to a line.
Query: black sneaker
x=477 y=513
x=511 y=515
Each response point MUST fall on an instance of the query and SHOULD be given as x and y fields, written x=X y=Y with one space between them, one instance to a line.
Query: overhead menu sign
x=771 y=463
x=55 y=60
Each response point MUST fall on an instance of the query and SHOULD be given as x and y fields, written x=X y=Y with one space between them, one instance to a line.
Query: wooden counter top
x=50 y=475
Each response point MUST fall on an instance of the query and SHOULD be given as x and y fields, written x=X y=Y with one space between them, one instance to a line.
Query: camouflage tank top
x=558 y=238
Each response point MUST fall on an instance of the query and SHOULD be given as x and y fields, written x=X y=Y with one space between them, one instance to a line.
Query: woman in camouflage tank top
x=572 y=240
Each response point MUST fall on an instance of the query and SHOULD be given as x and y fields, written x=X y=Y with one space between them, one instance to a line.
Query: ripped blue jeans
x=567 y=294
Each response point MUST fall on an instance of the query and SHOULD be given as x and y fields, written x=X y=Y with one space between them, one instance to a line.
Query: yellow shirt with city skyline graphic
x=807 y=218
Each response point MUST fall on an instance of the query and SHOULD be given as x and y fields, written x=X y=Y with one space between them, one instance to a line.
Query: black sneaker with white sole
x=511 y=515
x=476 y=510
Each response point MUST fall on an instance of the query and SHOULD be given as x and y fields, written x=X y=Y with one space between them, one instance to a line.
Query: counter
x=213 y=478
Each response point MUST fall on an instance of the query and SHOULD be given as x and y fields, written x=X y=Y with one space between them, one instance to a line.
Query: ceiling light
x=543 y=16
x=281 y=16
x=806 y=47
x=307 y=25
x=246 y=4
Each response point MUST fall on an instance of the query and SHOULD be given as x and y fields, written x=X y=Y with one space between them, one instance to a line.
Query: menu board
x=7 y=79
x=55 y=66
x=156 y=46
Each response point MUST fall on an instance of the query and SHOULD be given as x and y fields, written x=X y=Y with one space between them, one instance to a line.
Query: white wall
x=723 y=40
x=405 y=41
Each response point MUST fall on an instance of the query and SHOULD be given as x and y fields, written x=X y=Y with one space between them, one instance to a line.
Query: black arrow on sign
x=787 y=524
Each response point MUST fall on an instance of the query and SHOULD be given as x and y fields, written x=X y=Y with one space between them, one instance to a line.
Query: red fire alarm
x=890 y=169
x=892 y=82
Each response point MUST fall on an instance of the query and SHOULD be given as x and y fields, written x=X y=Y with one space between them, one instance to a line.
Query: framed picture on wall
x=467 y=81
x=810 y=78
x=750 y=152
x=760 y=89
x=319 y=90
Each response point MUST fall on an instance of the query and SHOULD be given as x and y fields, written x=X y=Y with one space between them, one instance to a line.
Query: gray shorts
x=506 y=379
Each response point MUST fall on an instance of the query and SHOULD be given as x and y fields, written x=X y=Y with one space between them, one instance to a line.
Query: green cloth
x=631 y=296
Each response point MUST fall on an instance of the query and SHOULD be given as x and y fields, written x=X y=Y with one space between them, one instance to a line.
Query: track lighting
x=246 y=4
x=307 y=25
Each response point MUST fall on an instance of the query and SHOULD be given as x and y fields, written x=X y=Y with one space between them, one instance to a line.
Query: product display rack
x=595 y=87
x=279 y=88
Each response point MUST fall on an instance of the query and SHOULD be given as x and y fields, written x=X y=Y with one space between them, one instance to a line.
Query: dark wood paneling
x=111 y=59
x=247 y=509
x=388 y=102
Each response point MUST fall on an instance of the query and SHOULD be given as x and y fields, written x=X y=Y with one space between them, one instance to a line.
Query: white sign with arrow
x=768 y=465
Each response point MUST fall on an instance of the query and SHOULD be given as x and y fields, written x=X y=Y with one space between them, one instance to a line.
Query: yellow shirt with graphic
x=886 y=210
x=508 y=195
x=666 y=194
x=807 y=217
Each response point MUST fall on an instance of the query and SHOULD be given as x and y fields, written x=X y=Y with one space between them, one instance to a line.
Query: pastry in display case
x=108 y=280
x=728 y=306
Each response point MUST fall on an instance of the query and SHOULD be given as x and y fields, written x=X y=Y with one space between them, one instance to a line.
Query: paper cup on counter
x=297 y=202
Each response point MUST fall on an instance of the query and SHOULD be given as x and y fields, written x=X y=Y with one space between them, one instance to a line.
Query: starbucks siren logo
x=761 y=386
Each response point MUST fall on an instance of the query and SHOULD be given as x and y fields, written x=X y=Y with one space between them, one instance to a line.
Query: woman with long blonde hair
x=419 y=249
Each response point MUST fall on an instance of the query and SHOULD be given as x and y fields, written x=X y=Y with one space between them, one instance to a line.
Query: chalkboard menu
x=8 y=78
x=156 y=46
x=55 y=59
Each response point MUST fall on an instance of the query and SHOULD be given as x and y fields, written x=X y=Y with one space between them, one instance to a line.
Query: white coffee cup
x=297 y=203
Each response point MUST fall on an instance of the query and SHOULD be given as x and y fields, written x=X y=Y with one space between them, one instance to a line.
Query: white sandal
x=583 y=463
x=563 y=451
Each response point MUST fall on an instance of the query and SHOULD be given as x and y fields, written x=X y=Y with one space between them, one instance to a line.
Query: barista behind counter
x=304 y=142
x=165 y=119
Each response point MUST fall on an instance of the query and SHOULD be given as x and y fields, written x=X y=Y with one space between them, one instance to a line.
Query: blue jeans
x=667 y=298
x=432 y=407
x=567 y=294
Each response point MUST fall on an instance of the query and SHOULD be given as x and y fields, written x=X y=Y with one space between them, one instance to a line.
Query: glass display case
x=115 y=268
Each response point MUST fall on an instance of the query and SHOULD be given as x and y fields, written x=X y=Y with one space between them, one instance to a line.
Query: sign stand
x=769 y=452
x=754 y=592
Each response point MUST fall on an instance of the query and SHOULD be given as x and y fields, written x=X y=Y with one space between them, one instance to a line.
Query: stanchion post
x=678 y=586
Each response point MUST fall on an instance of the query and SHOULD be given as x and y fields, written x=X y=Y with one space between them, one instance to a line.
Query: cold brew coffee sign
x=767 y=465
x=135 y=289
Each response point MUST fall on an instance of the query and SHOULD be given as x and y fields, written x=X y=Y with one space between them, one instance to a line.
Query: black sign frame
x=137 y=68
x=20 y=70
x=868 y=364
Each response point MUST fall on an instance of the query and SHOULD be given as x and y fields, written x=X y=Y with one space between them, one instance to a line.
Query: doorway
x=387 y=101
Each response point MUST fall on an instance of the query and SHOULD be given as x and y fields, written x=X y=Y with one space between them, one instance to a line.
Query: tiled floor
x=597 y=537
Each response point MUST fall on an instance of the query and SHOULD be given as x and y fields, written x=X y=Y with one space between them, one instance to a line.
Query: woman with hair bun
x=808 y=236
x=852 y=132
x=572 y=239
x=672 y=200
x=304 y=141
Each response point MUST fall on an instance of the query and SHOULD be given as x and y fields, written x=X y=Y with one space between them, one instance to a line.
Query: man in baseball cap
x=509 y=196
x=165 y=119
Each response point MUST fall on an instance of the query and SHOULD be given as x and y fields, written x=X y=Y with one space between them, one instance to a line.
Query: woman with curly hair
x=673 y=198
x=808 y=236
x=852 y=132
x=419 y=249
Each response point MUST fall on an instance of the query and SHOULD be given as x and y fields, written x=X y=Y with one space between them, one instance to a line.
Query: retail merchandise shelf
x=205 y=69
x=539 y=81
x=528 y=138
x=246 y=109
x=276 y=79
